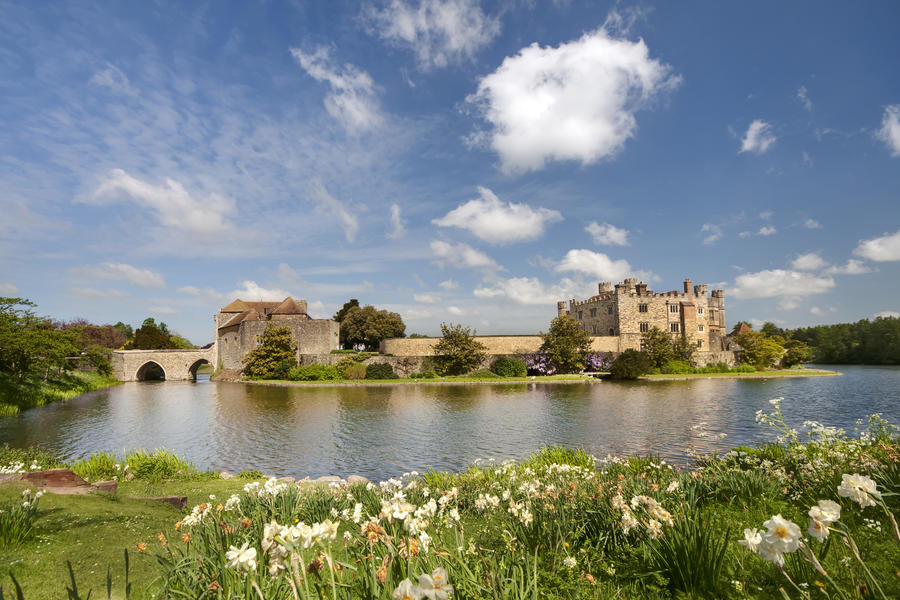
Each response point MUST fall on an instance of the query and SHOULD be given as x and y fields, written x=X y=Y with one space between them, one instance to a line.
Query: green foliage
x=692 y=556
x=566 y=344
x=275 y=348
x=416 y=336
x=630 y=364
x=509 y=366
x=181 y=342
x=125 y=330
x=368 y=326
x=677 y=367
x=16 y=396
x=36 y=456
x=771 y=330
x=350 y=304
x=759 y=351
x=458 y=351
x=30 y=348
x=314 y=372
x=380 y=371
x=17 y=518
x=795 y=352
x=281 y=370
x=482 y=374
x=657 y=344
x=153 y=466
x=355 y=371
x=875 y=342
x=151 y=337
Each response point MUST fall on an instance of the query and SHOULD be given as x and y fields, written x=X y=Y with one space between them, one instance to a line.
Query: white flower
x=654 y=528
x=357 y=512
x=858 y=488
x=570 y=562
x=782 y=534
x=672 y=486
x=752 y=539
x=628 y=521
x=771 y=553
x=454 y=514
x=821 y=517
x=26 y=493
x=38 y=494
x=243 y=558
x=407 y=591
x=347 y=536
x=526 y=517
x=233 y=502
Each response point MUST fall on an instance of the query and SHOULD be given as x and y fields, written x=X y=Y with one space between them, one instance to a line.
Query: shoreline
x=763 y=375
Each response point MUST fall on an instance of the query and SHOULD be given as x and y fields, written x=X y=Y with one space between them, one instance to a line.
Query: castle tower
x=561 y=309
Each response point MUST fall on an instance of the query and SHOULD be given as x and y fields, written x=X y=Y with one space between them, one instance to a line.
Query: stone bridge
x=174 y=365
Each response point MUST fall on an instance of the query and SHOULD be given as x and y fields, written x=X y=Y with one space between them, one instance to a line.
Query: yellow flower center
x=781 y=532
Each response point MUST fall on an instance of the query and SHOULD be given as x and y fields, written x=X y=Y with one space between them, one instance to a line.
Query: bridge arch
x=150 y=371
x=193 y=368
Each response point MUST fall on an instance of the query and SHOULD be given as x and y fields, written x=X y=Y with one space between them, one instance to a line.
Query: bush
x=677 y=367
x=566 y=345
x=483 y=374
x=380 y=371
x=631 y=364
x=458 y=351
x=508 y=366
x=355 y=371
x=276 y=347
x=314 y=372
x=282 y=369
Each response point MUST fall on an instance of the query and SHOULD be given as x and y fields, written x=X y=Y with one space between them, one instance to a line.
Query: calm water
x=383 y=431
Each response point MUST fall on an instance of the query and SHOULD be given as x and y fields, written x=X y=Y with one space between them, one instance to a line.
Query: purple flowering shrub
x=597 y=361
x=539 y=364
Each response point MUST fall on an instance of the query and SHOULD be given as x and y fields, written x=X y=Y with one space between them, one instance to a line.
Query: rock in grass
x=225 y=475
x=357 y=480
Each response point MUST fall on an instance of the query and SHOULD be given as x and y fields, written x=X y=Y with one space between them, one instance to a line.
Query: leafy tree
x=126 y=330
x=458 y=351
x=657 y=344
x=759 y=350
x=868 y=342
x=339 y=315
x=368 y=326
x=795 y=352
x=181 y=342
x=151 y=336
x=566 y=344
x=415 y=336
x=631 y=364
x=737 y=327
x=30 y=347
x=276 y=349
x=508 y=366
x=771 y=330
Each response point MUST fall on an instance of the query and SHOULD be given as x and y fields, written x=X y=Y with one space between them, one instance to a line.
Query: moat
x=387 y=430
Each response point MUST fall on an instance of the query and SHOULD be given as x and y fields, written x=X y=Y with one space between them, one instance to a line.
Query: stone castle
x=630 y=309
x=239 y=325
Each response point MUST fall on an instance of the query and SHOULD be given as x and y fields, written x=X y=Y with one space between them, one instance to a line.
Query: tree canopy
x=276 y=353
x=368 y=326
x=566 y=344
x=875 y=342
x=458 y=352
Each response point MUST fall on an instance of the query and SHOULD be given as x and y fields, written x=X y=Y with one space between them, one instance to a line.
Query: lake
x=382 y=431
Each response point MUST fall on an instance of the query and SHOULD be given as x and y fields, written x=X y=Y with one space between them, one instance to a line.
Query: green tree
x=458 y=351
x=181 y=342
x=657 y=345
x=368 y=326
x=126 y=330
x=276 y=350
x=759 y=350
x=30 y=346
x=566 y=344
x=795 y=352
x=630 y=364
x=339 y=315
x=151 y=336
x=770 y=329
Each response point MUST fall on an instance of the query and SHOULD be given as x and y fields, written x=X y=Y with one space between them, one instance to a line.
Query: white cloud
x=807 y=162
x=144 y=278
x=455 y=310
x=744 y=234
x=789 y=302
x=759 y=137
x=113 y=78
x=890 y=129
x=853 y=267
x=607 y=234
x=440 y=32
x=462 y=256
x=808 y=262
x=573 y=102
x=596 y=264
x=531 y=291
x=398 y=223
x=8 y=289
x=766 y=215
x=163 y=310
x=766 y=230
x=352 y=99
x=253 y=292
x=411 y=314
x=880 y=249
x=86 y=292
x=714 y=231
x=886 y=314
x=772 y=283
x=426 y=298
x=448 y=285
x=332 y=207
x=499 y=223
x=817 y=311
x=171 y=203
x=812 y=224
x=803 y=98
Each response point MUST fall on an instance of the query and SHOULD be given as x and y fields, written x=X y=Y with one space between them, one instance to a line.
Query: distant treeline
x=864 y=342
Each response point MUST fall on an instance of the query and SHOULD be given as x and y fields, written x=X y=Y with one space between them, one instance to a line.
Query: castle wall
x=311 y=336
x=496 y=345
x=318 y=336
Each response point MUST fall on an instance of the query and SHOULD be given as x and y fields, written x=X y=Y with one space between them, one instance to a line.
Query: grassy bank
x=461 y=379
x=560 y=524
x=769 y=373
x=15 y=398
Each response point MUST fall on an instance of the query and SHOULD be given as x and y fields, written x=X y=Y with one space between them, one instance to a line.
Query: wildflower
x=425 y=541
x=782 y=533
x=162 y=539
x=357 y=512
x=672 y=486
x=821 y=517
x=454 y=514
x=38 y=494
x=372 y=531
x=526 y=518
x=26 y=493
x=654 y=528
x=752 y=540
x=858 y=488
x=628 y=521
x=141 y=547
x=243 y=558
x=407 y=591
x=246 y=523
x=186 y=538
x=214 y=586
x=570 y=562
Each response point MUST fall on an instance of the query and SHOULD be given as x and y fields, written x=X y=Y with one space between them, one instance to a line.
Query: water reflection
x=385 y=430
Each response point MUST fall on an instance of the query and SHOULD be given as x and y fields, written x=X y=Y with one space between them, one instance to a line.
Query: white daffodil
x=782 y=534
x=858 y=488
x=672 y=486
x=752 y=540
x=654 y=528
x=243 y=558
x=407 y=591
x=771 y=553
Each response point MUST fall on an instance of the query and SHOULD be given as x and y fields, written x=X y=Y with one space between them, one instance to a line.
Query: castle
x=631 y=309
x=239 y=325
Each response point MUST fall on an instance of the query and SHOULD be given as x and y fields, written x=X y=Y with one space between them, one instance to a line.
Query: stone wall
x=311 y=336
x=177 y=365
x=496 y=345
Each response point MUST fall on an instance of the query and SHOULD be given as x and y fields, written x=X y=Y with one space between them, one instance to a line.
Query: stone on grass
x=225 y=475
x=357 y=480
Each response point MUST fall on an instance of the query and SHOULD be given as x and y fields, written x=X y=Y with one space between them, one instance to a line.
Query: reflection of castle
x=631 y=309
x=239 y=325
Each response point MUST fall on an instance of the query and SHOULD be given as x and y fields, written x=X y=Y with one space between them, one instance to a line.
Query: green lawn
x=432 y=380
x=29 y=394
x=753 y=375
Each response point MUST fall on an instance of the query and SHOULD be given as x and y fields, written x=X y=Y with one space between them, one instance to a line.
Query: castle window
x=645 y=327
x=580 y=315
x=593 y=312
x=673 y=308
x=609 y=310
x=712 y=315
x=699 y=343
x=701 y=328
x=642 y=308
x=699 y=310
x=612 y=332
x=675 y=327
x=594 y=330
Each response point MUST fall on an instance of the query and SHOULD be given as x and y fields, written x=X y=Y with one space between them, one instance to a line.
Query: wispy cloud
x=889 y=133
x=144 y=278
x=758 y=137
x=607 y=235
x=499 y=222
x=332 y=207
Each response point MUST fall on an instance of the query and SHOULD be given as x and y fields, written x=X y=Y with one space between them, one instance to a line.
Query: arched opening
x=150 y=371
x=196 y=366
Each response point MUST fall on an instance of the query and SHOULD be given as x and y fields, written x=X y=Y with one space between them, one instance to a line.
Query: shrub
x=676 y=367
x=314 y=372
x=276 y=346
x=17 y=518
x=539 y=364
x=508 y=366
x=282 y=369
x=597 y=361
x=380 y=371
x=566 y=345
x=458 y=351
x=631 y=364
x=355 y=371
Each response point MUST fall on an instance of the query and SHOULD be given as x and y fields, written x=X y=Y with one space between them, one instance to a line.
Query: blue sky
x=452 y=160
